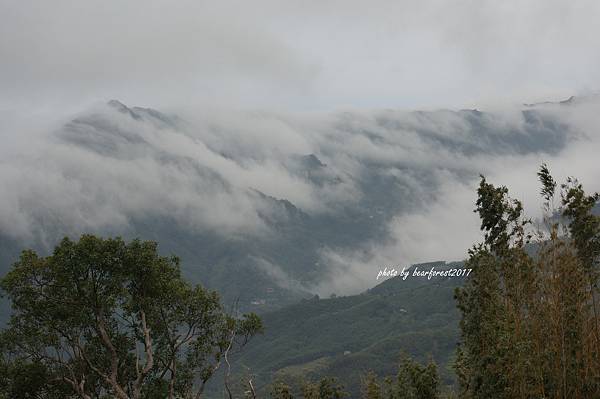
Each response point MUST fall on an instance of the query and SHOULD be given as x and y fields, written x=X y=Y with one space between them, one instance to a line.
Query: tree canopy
x=105 y=318
x=529 y=314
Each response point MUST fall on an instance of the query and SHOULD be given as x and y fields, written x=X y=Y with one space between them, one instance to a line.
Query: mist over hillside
x=270 y=208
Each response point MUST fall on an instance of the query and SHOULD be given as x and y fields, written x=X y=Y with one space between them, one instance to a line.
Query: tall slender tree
x=529 y=321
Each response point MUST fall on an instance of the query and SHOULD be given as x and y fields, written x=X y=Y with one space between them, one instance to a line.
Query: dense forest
x=104 y=318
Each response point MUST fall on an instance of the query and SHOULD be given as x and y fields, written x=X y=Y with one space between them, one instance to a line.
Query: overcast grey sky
x=296 y=55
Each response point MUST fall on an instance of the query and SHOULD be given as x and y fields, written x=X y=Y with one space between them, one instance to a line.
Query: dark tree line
x=413 y=381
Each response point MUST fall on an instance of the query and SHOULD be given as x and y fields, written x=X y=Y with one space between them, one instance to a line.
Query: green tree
x=416 y=381
x=326 y=388
x=104 y=317
x=413 y=381
x=280 y=390
x=529 y=324
x=371 y=389
x=584 y=229
x=491 y=301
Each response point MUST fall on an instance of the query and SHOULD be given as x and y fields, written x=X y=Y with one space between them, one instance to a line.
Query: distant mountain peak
x=116 y=104
x=122 y=108
x=569 y=101
x=312 y=161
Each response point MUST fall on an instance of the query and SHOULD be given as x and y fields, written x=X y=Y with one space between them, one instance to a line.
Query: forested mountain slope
x=345 y=337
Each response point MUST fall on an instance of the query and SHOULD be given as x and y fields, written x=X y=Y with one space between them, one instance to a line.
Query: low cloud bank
x=408 y=178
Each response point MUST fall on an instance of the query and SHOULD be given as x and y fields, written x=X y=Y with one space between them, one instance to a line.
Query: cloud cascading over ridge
x=398 y=185
x=286 y=132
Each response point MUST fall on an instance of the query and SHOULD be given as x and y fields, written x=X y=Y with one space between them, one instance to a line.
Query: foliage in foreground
x=104 y=318
x=529 y=322
x=413 y=381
